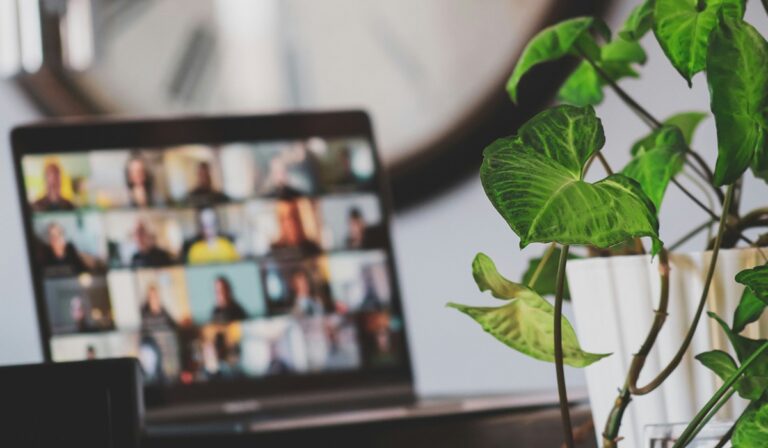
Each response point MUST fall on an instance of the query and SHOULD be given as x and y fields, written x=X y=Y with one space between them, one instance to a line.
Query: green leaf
x=687 y=122
x=639 y=22
x=749 y=310
x=583 y=87
x=682 y=28
x=526 y=322
x=488 y=278
x=658 y=158
x=752 y=428
x=535 y=181
x=744 y=347
x=738 y=83
x=622 y=50
x=545 y=283
x=755 y=279
x=551 y=43
x=720 y=362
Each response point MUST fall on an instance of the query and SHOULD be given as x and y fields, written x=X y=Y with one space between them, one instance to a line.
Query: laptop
x=245 y=261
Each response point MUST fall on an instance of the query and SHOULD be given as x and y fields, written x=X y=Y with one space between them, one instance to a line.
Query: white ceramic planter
x=613 y=302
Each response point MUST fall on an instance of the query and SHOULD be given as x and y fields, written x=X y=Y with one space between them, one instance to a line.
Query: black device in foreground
x=75 y=404
x=245 y=261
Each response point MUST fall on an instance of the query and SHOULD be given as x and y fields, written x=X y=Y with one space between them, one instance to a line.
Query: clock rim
x=455 y=153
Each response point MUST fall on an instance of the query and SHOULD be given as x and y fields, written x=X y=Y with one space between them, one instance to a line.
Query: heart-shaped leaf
x=682 y=28
x=658 y=158
x=551 y=43
x=639 y=22
x=535 y=181
x=752 y=427
x=687 y=122
x=526 y=322
x=545 y=283
x=755 y=279
x=749 y=310
x=738 y=82
x=720 y=362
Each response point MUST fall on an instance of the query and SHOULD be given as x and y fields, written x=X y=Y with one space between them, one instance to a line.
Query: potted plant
x=536 y=181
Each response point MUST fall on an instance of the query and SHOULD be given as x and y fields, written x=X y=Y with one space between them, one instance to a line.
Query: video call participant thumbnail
x=209 y=245
x=292 y=234
x=59 y=256
x=52 y=199
x=139 y=181
x=148 y=254
x=204 y=194
x=79 y=304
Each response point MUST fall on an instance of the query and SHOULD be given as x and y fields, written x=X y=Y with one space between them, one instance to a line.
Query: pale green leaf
x=488 y=278
x=737 y=74
x=526 y=322
x=551 y=43
x=687 y=122
x=658 y=159
x=545 y=283
x=535 y=181
x=752 y=428
x=749 y=310
x=683 y=28
x=639 y=22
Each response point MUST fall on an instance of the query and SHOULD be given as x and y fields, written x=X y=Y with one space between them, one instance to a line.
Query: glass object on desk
x=665 y=435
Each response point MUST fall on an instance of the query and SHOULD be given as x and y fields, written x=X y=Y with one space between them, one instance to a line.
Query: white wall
x=19 y=341
x=434 y=246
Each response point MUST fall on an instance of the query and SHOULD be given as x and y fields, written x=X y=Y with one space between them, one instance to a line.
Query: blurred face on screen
x=204 y=176
x=153 y=300
x=137 y=173
x=222 y=292
x=77 y=309
x=53 y=181
x=300 y=284
x=143 y=236
x=57 y=240
x=289 y=221
x=278 y=172
x=209 y=224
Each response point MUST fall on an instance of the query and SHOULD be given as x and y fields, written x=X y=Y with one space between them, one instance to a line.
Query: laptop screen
x=255 y=260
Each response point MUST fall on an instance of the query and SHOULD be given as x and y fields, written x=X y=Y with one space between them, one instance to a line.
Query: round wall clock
x=430 y=72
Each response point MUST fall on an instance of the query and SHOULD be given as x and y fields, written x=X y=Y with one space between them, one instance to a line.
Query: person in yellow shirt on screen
x=210 y=245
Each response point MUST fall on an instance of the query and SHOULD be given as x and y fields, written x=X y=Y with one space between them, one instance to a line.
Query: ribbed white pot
x=614 y=301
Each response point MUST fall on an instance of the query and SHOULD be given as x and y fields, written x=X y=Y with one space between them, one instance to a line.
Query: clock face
x=418 y=67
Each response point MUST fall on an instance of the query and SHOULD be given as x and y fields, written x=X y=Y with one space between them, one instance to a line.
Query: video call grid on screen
x=216 y=263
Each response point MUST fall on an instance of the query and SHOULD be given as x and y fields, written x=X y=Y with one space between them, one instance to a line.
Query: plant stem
x=542 y=263
x=701 y=416
x=652 y=122
x=712 y=413
x=604 y=162
x=726 y=437
x=565 y=414
x=638 y=361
